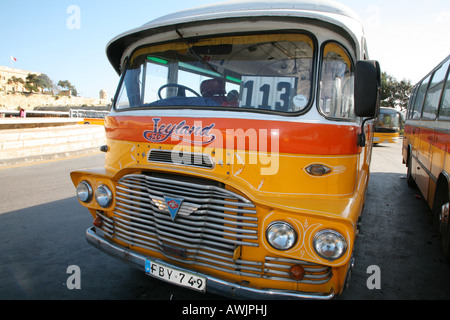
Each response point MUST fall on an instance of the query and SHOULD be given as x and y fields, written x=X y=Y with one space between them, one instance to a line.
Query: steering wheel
x=181 y=90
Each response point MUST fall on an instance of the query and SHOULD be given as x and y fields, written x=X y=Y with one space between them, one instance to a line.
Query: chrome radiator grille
x=210 y=226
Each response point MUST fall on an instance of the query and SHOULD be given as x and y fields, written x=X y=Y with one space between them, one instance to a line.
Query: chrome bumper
x=213 y=285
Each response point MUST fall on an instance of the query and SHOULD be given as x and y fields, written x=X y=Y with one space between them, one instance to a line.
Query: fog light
x=281 y=235
x=103 y=196
x=329 y=244
x=297 y=272
x=84 y=192
x=97 y=222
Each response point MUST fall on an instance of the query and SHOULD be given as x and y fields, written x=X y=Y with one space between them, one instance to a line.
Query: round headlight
x=84 y=192
x=281 y=235
x=329 y=244
x=103 y=196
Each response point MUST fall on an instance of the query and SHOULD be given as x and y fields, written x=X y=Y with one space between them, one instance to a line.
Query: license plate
x=172 y=275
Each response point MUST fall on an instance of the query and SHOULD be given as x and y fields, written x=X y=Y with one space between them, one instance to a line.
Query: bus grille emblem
x=173 y=205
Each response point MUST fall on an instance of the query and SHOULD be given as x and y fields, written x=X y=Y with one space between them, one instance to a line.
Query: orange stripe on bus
x=436 y=138
x=294 y=137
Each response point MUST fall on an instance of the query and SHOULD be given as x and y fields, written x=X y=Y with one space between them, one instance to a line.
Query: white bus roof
x=323 y=10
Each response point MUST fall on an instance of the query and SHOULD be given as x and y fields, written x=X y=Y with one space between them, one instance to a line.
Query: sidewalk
x=38 y=139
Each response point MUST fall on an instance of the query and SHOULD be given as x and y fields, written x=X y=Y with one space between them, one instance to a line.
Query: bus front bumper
x=213 y=285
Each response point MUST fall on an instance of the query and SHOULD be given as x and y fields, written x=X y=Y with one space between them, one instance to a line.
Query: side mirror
x=367 y=88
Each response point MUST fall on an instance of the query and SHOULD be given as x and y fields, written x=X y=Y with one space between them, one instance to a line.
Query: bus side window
x=418 y=104
x=336 y=83
x=444 y=112
x=434 y=93
x=130 y=95
x=410 y=109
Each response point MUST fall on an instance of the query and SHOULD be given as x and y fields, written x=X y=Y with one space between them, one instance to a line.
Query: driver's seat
x=214 y=89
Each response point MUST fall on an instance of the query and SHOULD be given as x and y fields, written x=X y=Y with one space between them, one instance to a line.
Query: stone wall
x=19 y=146
x=29 y=101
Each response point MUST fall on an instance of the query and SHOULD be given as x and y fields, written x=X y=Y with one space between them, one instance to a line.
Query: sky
x=66 y=39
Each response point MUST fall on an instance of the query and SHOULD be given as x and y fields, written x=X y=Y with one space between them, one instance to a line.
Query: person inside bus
x=214 y=89
x=232 y=99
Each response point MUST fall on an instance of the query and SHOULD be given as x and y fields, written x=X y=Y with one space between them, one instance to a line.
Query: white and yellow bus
x=388 y=126
x=238 y=149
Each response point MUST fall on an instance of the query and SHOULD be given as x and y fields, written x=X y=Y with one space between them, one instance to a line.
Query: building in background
x=7 y=73
x=103 y=94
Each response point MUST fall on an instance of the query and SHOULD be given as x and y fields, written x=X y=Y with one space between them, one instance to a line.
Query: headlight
x=329 y=244
x=103 y=196
x=84 y=192
x=281 y=235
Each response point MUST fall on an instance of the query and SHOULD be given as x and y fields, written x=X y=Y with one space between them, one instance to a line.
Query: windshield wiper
x=197 y=56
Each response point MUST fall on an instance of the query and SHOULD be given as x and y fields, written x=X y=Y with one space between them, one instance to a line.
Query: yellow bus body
x=93 y=121
x=379 y=137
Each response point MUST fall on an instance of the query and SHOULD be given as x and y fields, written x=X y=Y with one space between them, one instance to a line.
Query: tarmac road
x=42 y=230
x=397 y=236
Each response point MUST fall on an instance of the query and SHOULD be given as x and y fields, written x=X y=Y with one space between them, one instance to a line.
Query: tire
x=409 y=178
x=442 y=197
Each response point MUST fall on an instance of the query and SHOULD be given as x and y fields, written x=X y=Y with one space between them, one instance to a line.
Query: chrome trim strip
x=213 y=285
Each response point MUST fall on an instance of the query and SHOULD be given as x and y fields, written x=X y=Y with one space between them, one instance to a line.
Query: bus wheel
x=441 y=213
x=444 y=229
x=409 y=178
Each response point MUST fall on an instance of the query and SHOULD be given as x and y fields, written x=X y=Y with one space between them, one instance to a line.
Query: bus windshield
x=254 y=72
x=389 y=120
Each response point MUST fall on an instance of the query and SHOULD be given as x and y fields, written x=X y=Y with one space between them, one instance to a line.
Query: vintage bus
x=388 y=126
x=94 y=117
x=238 y=149
x=426 y=142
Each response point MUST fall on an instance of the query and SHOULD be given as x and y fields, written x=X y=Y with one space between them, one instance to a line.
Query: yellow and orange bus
x=426 y=142
x=94 y=117
x=388 y=126
x=238 y=149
